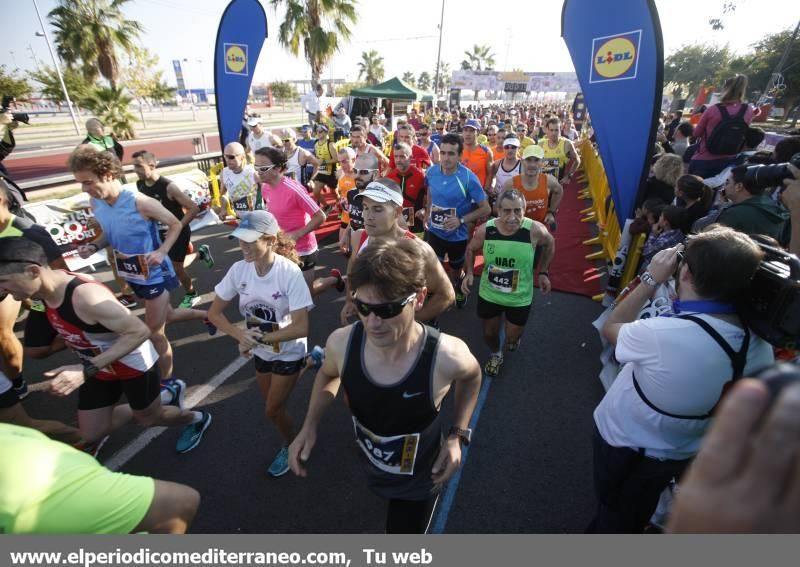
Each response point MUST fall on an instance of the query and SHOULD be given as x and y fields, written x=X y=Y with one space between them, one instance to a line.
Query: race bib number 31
x=440 y=215
x=393 y=455
x=503 y=280
x=132 y=268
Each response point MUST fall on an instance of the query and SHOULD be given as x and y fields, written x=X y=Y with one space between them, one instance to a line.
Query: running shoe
x=340 y=285
x=492 y=367
x=280 y=466
x=20 y=387
x=192 y=434
x=317 y=356
x=177 y=388
x=511 y=346
x=205 y=255
x=210 y=327
x=92 y=448
x=461 y=299
x=190 y=300
x=128 y=301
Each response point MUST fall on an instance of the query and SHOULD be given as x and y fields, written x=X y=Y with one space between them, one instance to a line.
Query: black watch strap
x=464 y=435
x=90 y=371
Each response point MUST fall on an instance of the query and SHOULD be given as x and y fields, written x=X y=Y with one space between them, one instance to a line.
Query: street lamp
x=43 y=34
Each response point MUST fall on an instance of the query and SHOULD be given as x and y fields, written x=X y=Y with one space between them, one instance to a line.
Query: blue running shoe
x=210 y=327
x=280 y=466
x=317 y=355
x=193 y=434
x=177 y=388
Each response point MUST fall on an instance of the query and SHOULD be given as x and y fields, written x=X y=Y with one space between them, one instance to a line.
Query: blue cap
x=473 y=123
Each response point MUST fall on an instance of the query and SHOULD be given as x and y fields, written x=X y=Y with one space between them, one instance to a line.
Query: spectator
x=669 y=231
x=341 y=124
x=661 y=185
x=672 y=126
x=647 y=216
x=695 y=195
x=680 y=138
x=652 y=419
x=97 y=138
x=752 y=211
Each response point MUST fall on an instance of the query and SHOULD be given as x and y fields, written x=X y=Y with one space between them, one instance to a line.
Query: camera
x=772 y=309
x=772 y=175
x=778 y=377
x=8 y=100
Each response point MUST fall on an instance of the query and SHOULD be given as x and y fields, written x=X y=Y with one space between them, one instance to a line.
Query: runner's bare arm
x=440 y=291
x=555 y=192
x=326 y=387
x=316 y=221
x=312 y=160
x=349 y=309
x=149 y=208
x=190 y=207
x=540 y=236
x=247 y=338
x=484 y=210
x=573 y=160
x=297 y=329
x=475 y=245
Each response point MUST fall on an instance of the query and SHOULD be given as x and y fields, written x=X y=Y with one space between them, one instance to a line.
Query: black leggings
x=409 y=516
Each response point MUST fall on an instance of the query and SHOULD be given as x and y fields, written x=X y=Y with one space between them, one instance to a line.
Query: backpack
x=728 y=136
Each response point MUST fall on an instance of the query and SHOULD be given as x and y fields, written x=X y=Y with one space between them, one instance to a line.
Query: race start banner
x=240 y=37
x=618 y=55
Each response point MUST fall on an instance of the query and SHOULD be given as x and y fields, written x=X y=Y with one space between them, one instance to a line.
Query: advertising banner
x=515 y=81
x=619 y=61
x=240 y=37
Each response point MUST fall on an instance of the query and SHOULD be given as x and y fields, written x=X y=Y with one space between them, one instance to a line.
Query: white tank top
x=503 y=176
x=293 y=167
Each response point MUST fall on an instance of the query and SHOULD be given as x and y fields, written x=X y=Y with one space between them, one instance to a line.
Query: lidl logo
x=615 y=57
x=236 y=59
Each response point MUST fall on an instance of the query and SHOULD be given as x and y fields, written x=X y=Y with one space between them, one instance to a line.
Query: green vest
x=507 y=277
x=104 y=144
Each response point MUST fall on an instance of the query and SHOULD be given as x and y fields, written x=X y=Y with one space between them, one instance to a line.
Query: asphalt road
x=528 y=469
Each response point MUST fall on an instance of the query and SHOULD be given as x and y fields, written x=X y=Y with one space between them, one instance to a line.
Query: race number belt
x=503 y=280
x=242 y=205
x=133 y=268
x=393 y=455
x=440 y=215
x=408 y=215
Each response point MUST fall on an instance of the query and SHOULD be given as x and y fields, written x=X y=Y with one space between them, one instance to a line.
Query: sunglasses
x=509 y=147
x=382 y=310
x=286 y=140
x=264 y=168
x=231 y=156
x=365 y=171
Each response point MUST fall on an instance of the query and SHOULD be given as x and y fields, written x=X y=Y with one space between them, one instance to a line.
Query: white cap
x=254 y=120
x=254 y=225
x=380 y=193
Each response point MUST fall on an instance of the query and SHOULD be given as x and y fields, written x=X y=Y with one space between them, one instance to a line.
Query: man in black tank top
x=167 y=193
x=395 y=372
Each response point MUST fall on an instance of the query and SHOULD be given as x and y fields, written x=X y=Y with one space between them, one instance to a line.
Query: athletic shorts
x=151 y=291
x=279 y=367
x=9 y=398
x=139 y=391
x=178 y=251
x=453 y=249
x=327 y=179
x=515 y=315
x=309 y=261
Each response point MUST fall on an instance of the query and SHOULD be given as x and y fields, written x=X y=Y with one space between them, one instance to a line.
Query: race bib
x=440 y=215
x=242 y=205
x=504 y=280
x=393 y=455
x=356 y=217
x=408 y=215
x=264 y=327
x=551 y=166
x=132 y=268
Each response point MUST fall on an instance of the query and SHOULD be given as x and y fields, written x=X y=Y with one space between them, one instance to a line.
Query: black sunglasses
x=382 y=310
x=229 y=156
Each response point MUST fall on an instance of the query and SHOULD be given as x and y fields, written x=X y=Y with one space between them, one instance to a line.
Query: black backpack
x=729 y=135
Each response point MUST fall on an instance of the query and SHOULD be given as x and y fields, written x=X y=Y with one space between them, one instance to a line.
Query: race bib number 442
x=503 y=280
x=393 y=455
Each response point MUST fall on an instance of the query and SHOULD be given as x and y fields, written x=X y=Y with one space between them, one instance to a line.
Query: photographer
x=7 y=141
x=651 y=420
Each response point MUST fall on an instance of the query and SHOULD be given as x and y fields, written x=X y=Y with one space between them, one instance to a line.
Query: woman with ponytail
x=696 y=196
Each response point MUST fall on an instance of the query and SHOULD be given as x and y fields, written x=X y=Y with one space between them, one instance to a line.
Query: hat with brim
x=533 y=151
x=380 y=193
x=253 y=121
x=511 y=142
x=254 y=225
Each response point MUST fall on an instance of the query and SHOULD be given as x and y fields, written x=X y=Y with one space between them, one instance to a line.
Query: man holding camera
x=675 y=370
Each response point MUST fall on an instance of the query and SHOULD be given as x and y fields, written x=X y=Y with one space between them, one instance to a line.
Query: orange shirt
x=478 y=160
x=536 y=199
x=498 y=153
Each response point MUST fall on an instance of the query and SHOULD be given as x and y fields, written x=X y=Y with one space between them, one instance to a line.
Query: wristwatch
x=648 y=279
x=464 y=435
x=461 y=220
x=90 y=371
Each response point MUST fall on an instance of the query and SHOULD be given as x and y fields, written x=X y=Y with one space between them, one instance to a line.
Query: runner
x=383 y=218
x=541 y=191
x=508 y=244
x=298 y=160
x=112 y=344
x=239 y=188
x=455 y=199
x=396 y=373
x=425 y=142
x=259 y=138
x=152 y=184
x=358 y=141
x=130 y=225
x=503 y=170
x=366 y=169
x=477 y=157
x=412 y=185
x=346 y=182
x=297 y=214
x=495 y=142
x=325 y=152
x=274 y=300
x=522 y=133
x=559 y=154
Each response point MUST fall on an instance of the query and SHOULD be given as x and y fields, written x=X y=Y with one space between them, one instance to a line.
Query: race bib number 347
x=394 y=455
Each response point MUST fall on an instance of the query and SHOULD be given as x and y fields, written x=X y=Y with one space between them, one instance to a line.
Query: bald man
x=97 y=138
x=239 y=185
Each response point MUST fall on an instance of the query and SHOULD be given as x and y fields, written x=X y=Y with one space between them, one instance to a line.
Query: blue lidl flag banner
x=618 y=54
x=240 y=37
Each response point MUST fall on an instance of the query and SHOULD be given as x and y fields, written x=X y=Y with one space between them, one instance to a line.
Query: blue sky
x=404 y=32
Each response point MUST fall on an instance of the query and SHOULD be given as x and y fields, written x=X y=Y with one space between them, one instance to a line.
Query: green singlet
x=507 y=277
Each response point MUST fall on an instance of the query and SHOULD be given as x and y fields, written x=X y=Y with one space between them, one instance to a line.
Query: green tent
x=393 y=89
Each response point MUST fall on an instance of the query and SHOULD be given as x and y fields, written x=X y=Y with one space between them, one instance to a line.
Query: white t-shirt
x=681 y=370
x=257 y=142
x=240 y=185
x=267 y=302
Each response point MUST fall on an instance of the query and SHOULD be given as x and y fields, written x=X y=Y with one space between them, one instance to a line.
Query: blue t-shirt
x=307 y=144
x=436 y=138
x=457 y=194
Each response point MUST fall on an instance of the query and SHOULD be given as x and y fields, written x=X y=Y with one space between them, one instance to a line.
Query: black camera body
x=772 y=175
x=772 y=310
x=8 y=100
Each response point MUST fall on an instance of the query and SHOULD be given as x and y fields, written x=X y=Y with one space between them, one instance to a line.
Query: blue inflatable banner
x=240 y=37
x=618 y=53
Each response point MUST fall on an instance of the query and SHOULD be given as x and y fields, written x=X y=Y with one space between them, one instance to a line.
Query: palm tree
x=408 y=77
x=160 y=92
x=88 y=32
x=371 y=67
x=479 y=59
x=444 y=77
x=424 y=81
x=305 y=24
x=111 y=107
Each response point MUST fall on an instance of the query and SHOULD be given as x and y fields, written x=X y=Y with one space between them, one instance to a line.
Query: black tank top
x=158 y=191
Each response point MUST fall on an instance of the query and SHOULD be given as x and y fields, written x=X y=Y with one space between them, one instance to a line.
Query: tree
x=138 y=75
x=345 y=88
x=408 y=77
x=424 y=81
x=444 y=77
x=161 y=92
x=76 y=84
x=318 y=26
x=283 y=91
x=479 y=59
x=694 y=65
x=12 y=85
x=371 y=67
x=88 y=34
x=110 y=105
